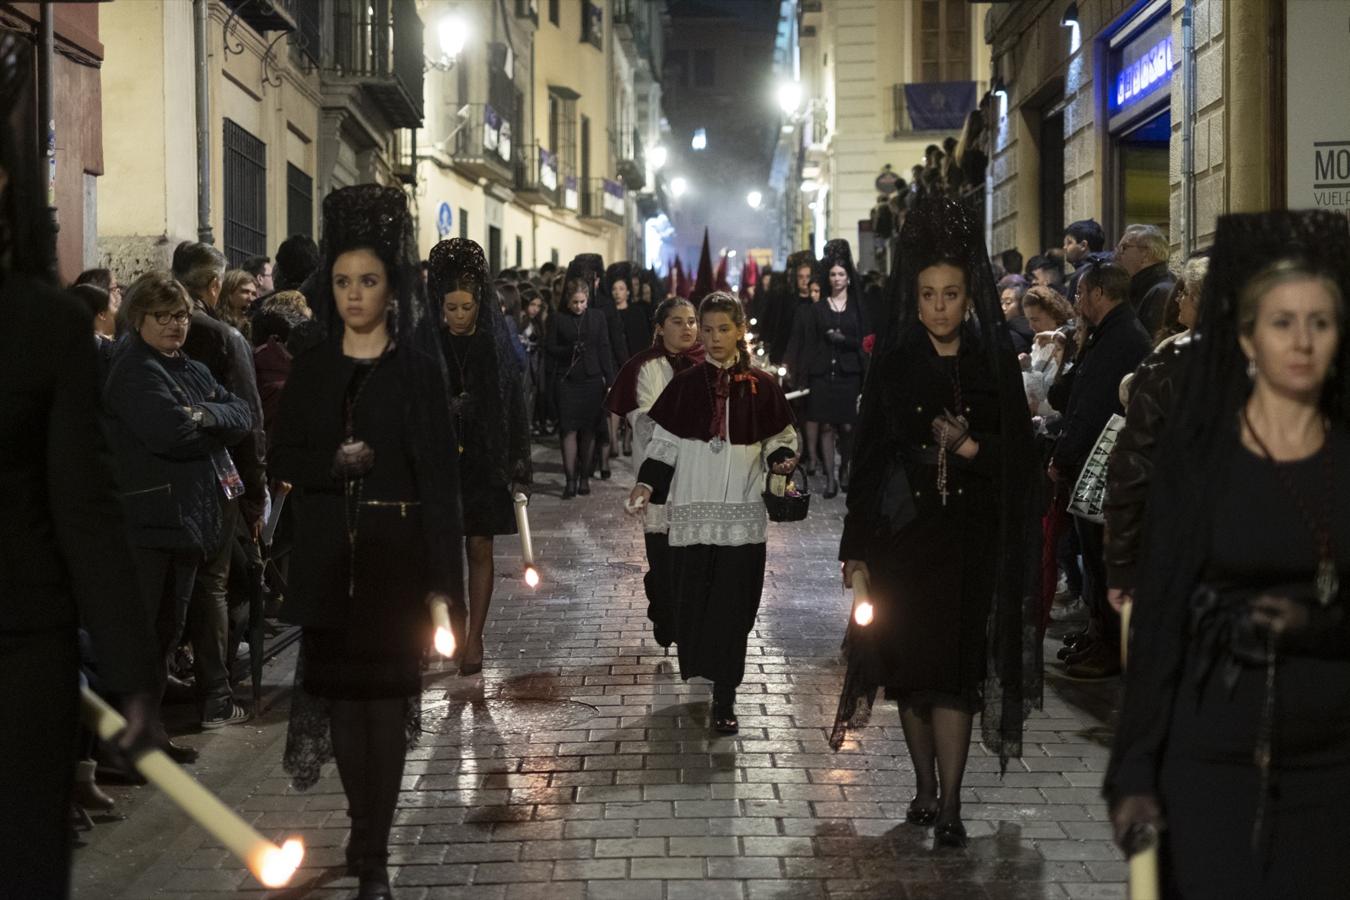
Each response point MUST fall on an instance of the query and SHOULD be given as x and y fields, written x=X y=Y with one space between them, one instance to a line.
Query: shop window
x=245 y=184
x=942 y=40
x=299 y=202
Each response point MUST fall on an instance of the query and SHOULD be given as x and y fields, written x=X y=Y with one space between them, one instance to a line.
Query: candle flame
x=863 y=614
x=445 y=642
x=532 y=576
x=277 y=865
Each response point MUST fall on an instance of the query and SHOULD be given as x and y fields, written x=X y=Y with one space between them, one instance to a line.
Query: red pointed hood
x=703 y=285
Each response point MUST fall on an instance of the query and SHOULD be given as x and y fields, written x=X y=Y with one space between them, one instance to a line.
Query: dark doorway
x=494 y=249
x=1050 y=145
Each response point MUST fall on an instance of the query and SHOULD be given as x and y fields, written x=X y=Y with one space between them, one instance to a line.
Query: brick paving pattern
x=580 y=766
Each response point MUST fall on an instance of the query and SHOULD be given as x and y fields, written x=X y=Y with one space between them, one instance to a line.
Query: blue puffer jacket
x=166 y=476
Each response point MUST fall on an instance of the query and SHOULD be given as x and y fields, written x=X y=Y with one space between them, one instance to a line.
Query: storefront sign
x=1317 y=126
x=1142 y=66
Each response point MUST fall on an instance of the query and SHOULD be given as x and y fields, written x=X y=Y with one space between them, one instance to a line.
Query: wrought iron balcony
x=378 y=43
x=603 y=199
x=483 y=147
x=264 y=15
x=632 y=166
x=537 y=175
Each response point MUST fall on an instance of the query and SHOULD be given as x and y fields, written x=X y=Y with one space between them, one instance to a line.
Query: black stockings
x=812 y=451
x=938 y=738
x=480 y=595
x=369 y=745
x=578 y=445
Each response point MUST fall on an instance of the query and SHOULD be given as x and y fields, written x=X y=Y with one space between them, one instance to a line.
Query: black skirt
x=488 y=506
x=716 y=593
x=581 y=404
x=833 y=399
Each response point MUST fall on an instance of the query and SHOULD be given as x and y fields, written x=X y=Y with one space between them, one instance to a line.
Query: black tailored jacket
x=1130 y=470
x=1114 y=348
x=64 y=557
x=170 y=489
x=579 y=346
x=810 y=352
x=1149 y=290
x=229 y=357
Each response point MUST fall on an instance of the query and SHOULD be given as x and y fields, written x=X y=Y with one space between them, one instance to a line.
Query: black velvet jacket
x=579 y=346
x=405 y=511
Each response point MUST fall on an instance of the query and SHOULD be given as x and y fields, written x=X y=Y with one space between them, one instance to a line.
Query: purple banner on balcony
x=613 y=199
x=940 y=105
x=548 y=169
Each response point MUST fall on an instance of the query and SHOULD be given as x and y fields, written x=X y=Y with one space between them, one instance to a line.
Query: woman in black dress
x=365 y=437
x=939 y=518
x=1235 y=729
x=578 y=345
x=826 y=349
x=488 y=406
x=636 y=323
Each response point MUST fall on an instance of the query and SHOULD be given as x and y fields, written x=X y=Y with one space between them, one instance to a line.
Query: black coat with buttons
x=933 y=579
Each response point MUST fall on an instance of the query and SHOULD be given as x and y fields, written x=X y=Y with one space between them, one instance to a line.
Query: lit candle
x=444 y=641
x=273 y=866
x=1126 y=609
x=862 y=606
x=1141 y=846
x=526 y=544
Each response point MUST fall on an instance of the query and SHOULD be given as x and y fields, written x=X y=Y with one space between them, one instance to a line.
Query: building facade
x=881 y=80
x=296 y=99
x=73 y=169
x=1166 y=112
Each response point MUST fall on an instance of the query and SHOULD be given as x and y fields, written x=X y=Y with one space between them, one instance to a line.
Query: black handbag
x=793 y=503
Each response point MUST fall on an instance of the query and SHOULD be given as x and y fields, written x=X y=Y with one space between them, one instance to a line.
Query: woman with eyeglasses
x=170 y=423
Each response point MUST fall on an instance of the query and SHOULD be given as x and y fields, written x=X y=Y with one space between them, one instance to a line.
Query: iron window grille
x=245 y=185
x=299 y=202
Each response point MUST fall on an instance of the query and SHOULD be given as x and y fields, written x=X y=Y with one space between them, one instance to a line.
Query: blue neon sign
x=1143 y=75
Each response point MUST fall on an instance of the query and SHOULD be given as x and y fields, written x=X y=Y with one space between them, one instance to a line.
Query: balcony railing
x=604 y=200
x=537 y=175
x=483 y=147
x=379 y=44
x=264 y=15
x=632 y=166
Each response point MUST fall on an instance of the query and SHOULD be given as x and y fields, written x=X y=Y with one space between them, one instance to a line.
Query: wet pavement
x=580 y=767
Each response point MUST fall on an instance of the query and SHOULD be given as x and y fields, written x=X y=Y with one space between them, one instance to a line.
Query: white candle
x=1144 y=874
x=1126 y=609
x=526 y=544
x=444 y=640
x=273 y=866
x=862 y=604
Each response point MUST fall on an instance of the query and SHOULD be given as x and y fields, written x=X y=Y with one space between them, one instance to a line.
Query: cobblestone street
x=580 y=766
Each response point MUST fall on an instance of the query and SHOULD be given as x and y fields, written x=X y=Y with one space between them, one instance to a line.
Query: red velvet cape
x=622 y=397
x=758 y=408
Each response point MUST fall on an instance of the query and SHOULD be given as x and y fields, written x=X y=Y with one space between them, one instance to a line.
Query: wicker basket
x=787 y=507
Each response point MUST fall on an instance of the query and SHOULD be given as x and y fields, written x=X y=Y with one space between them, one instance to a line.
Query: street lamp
x=700 y=141
x=790 y=96
x=452 y=33
x=754 y=198
x=657 y=157
x=1070 y=20
x=678 y=185
x=809 y=186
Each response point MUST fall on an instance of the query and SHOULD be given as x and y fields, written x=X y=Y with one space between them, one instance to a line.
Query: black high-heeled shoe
x=922 y=816
x=831 y=488
x=374 y=882
x=569 y=489
x=950 y=834
x=584 y=486
x=724 y=720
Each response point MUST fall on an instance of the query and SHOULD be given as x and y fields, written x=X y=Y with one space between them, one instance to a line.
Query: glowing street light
x=700 y=141
x=678 y=185
x=754 y=198
x=452 y=32
x=657 y=157
x=790 y=96
x=810 y=186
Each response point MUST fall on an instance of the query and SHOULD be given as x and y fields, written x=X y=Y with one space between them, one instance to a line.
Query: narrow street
x=580 y=766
